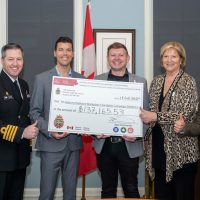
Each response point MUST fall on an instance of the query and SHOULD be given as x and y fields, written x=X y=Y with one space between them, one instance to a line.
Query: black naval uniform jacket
x=14 y=117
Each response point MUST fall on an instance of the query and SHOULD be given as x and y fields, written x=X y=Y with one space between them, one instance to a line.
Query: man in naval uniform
x=15 y=128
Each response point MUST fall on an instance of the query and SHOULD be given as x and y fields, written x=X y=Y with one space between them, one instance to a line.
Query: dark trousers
x=112 y=160
x=180 y=188
x=12 y=184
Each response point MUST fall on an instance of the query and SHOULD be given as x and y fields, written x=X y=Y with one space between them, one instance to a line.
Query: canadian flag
x=89 y=58
x=88 y=155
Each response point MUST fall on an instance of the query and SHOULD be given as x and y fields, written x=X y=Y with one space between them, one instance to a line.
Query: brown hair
x=64 y=39
x=117 y=45
x=10 y=46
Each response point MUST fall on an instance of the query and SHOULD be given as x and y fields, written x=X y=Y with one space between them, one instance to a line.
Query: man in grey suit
x=58 y=151
x=119 y=154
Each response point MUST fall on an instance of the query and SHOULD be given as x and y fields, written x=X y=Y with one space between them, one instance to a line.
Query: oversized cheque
x=95 y=106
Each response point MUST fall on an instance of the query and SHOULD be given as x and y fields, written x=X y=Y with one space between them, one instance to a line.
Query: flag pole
x=83 y=177
x=89 y=71
x=83 y=188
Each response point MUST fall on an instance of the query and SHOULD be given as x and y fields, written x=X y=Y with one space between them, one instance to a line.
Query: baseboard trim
x=91 y=193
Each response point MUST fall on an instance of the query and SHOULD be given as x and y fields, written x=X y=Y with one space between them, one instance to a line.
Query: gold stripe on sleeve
x=14 y=133
x=9 y=127
x=11 y=133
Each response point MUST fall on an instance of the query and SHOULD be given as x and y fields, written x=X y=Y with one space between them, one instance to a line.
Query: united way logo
x=58 y=122
x=123 y=130
x=130 y=130
x=116 y=129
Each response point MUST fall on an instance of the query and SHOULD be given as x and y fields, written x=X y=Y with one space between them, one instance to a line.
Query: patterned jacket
x=182 y=97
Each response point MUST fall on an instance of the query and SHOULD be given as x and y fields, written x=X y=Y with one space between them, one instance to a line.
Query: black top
x=158 y=153
x=124 y=78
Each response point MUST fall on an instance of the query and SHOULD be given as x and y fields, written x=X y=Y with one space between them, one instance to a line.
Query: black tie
x=17 y=92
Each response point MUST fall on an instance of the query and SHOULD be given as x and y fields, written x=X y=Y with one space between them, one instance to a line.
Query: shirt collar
x=59 y=74
x=12 y=79
x=126 y=73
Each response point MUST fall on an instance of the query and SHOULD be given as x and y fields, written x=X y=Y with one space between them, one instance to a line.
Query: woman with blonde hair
x=171 y=159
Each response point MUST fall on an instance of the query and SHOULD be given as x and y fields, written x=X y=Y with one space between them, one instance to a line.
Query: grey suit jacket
x=134 y=149
x=39 y=110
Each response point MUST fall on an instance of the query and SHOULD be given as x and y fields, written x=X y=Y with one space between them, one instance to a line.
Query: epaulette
x=9 y=132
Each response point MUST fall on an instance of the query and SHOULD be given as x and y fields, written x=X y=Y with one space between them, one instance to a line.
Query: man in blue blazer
x=58 y=151
x=119 y=154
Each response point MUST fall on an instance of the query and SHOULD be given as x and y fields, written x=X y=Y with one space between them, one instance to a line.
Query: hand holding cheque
x=95 y=107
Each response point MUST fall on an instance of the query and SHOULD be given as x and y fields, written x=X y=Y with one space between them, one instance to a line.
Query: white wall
x=3 y=23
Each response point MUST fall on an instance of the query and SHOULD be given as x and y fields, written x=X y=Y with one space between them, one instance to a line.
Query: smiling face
x=13 y=62
x=117 y=60
x=63 y=54
x=171 y=60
